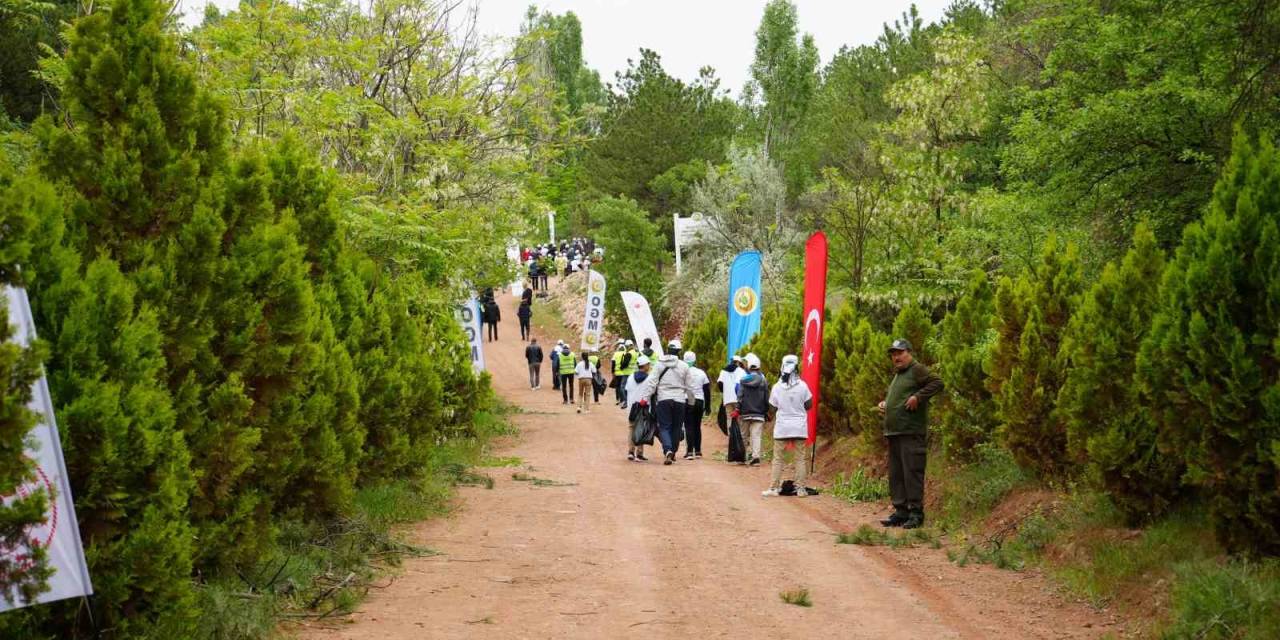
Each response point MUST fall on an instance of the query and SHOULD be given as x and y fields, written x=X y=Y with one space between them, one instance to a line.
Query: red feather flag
x=815 y=303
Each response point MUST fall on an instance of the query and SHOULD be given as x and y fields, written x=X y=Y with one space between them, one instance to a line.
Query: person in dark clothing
x=906 y=417
x=648 y=352
x=526 y=296
x=492 y=315
x=524 y=313
x=533 y=355
x=555 y=365
x=753 y=408
x=696 y=410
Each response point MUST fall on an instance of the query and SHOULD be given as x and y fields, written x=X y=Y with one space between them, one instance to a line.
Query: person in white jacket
x=634 y=407
x=790 y=400
x=670 y=388
x=583 y=372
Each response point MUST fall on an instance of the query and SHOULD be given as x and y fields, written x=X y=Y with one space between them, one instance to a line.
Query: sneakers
x=631 y=455
x=688 y=456
x=698 y=455
x=770 y=493
x=802 y=493
x=640 y=457
x=579 y=409
x=755 y=462
x=898 y=519
x=671 y=457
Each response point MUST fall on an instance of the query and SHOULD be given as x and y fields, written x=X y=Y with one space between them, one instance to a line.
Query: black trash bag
x=722 y=420
x=644 y=429
x=737 y=449
x=789 y=489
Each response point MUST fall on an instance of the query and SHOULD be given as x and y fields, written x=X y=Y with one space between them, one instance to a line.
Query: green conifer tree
x=967 y=417
x=1208 y=368
x=1107 y=426
x=1024 y=369
x=914 y=324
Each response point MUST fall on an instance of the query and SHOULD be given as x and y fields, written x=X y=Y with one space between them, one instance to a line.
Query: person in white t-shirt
x=790 y=400
x=727 y=383
x=694 y=411
x=583 y=372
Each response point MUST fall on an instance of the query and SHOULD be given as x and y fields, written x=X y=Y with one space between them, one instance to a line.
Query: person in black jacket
x=524 y=313
x=753 y=407
x=533 y=355
x=491 y=317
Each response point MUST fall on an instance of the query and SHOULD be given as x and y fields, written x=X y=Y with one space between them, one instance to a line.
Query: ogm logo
x=745 y=301
x=597 y=285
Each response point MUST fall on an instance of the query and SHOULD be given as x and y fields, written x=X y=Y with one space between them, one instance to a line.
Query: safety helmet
x=789 y=363
x=753 y=361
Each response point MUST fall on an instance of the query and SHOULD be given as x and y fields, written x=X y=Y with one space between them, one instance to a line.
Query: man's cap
x=736 y=358
x=690 y=357
x=631 y=343
x=642 y=361
x=789 y=363
x=675 y=344
x=753 y=361
x=901 y=344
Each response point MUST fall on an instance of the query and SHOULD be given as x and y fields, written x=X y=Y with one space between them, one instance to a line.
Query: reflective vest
x=567 y=363
x=633 y=366
x=594 y=359
x=617 y=362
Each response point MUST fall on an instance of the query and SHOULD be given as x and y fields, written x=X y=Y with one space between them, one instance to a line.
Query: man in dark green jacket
x=906 y=418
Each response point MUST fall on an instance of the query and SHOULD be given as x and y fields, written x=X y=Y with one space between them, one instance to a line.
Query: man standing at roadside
x=906 y=418
x=533 y=355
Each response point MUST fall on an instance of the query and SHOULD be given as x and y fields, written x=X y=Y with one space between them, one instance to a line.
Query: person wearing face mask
x=791 y=400
x=696 y=410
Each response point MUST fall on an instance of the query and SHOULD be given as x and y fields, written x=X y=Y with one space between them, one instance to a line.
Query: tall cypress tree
x=1210 y=368
x=1107 y=426
x=968 y=416
x=1024 y=369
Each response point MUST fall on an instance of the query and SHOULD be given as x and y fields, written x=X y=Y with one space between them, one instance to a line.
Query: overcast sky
x=688 y=34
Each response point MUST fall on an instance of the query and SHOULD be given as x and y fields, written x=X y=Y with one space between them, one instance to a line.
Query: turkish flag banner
x=815 y=302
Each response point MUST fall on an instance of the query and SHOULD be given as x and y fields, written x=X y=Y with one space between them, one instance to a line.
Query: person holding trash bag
x=694 y=411
x=753 y=407
x=791 y=400
x=727 y=383
x=641 y=413
x=672 y=390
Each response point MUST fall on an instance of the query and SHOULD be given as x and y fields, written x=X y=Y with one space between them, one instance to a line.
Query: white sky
x=688 y=34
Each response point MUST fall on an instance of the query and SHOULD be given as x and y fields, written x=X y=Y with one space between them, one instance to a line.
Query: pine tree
x=1024 y=368
x=914 y=324
x=1208 y=368
x=1107 y=426
x=23 y=567
x=967 y=417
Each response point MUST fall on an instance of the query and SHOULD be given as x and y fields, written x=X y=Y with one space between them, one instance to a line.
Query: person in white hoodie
x=790 y=400
x=670 y=388
x=696 y=410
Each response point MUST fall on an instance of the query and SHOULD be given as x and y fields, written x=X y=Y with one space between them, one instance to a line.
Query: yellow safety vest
x=568 y=361
x=594 y=360
x=617 y=362
x=633 y=366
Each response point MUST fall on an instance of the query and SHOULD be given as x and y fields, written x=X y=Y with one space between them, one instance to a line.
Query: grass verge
x=798 y=597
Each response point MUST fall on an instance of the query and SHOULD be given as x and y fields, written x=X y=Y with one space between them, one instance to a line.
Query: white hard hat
x=642 y=361
x=753 y=361
x=690 y=357
x=789 y=363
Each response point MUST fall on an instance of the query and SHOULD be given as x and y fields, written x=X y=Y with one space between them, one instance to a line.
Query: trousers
x=907 y=458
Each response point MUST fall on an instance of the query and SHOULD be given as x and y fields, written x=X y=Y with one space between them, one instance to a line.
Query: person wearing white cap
x=620 y=362
x=791 y=400
x=753 y=407
x=671 y=390
x=696 y=410
x=636 y=451
x=727 y=383
x=555 y=365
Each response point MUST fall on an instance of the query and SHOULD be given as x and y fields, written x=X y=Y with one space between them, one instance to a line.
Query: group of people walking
x=671 y=393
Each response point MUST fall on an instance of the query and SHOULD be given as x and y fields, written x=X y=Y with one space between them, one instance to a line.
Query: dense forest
x=244 y=243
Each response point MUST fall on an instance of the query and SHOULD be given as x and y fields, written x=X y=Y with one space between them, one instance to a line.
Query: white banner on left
x=513 y=254
x=469 y=317
x=59 y=534
x=593 y=319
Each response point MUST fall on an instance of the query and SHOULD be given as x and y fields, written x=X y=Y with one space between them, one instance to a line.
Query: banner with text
x=58 y=534
x=469 y=317
x=744 y=300
x=593 y=321
x=815 y=304
x=641 y=318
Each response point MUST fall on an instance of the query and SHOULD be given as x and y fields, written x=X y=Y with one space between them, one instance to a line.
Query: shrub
x=706 y=337
x=1107 y=426
x=967 y=416
x=635 y=251
x=1024 y=367
x=1208 y=368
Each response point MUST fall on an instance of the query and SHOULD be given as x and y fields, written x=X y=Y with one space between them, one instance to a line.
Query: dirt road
x=641 y=550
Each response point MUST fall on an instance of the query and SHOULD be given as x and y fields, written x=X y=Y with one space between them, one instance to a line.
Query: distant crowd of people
x=567 y=257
